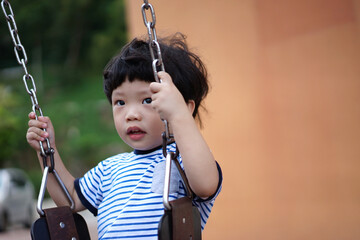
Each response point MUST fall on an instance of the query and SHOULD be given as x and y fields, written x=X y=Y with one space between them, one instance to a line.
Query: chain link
x=157 y=62
x=21 y=57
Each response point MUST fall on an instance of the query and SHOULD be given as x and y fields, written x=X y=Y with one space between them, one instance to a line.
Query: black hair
x=185 y=68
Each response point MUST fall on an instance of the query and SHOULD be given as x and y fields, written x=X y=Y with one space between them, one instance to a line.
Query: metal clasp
x=169 y=158
x=43 y=188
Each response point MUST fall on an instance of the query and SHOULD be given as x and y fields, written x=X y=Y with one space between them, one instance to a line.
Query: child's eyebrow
x=117 y=93
x=143 y=92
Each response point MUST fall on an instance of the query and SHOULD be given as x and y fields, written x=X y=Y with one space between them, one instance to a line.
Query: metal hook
x=169 y=157
x=43 y=188
x=167 y=181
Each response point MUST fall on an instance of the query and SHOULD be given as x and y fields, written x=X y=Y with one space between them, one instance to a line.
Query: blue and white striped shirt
x=126 y=193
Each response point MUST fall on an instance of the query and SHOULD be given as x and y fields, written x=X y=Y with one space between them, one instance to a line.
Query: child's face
x=136 y=122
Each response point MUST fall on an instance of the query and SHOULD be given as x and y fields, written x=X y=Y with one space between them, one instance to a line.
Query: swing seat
x=181 y=219
x=60 y=223
x=181 y=222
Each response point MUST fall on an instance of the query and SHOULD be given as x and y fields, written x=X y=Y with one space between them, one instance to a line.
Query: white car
x=16 y=198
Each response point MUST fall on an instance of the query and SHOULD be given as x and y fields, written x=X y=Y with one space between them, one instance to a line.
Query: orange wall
x=284 y=111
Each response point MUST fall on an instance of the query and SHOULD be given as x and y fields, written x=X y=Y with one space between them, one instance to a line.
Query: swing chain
x=21 y=57
x=154 y=45
x=157 y=61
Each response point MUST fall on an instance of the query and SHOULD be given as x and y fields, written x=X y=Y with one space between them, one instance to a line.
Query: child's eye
x=147 y=101
x=120 y=102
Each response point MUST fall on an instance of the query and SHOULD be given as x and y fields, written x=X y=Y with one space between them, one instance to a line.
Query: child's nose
x=133 y=114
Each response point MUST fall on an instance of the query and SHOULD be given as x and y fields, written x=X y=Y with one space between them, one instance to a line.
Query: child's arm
x=199 y=163
x=33 y=136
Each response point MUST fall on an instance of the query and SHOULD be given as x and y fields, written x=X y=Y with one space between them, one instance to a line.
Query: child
x=125 y=190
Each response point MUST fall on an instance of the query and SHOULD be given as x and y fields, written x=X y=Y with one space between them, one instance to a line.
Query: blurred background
x=283 y=114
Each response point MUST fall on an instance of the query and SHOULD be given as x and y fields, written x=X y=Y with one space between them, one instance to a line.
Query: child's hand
x=36 y=134
x=167 y=99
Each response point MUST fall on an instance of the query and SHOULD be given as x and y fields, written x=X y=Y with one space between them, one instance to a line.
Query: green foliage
x=68 y=34
x=9 y=123
x=68 y=44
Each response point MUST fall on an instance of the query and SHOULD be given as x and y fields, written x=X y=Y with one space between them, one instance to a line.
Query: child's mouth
x=135 y=133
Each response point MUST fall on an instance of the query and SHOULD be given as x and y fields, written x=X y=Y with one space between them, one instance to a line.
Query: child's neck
x=139 y=152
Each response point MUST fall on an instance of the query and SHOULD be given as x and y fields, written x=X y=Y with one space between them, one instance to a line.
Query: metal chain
x=28 y=80
x=153 y=42
x=157 y=62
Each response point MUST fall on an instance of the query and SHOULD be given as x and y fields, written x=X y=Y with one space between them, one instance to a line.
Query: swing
x=54 y=223
x=181 y=219
x=59 y=222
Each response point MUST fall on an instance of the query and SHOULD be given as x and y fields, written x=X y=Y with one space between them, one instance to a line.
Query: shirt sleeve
x=205 y=205
x=89 y=188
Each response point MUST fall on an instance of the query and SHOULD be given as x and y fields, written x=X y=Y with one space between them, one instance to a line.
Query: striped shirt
x=125 y=192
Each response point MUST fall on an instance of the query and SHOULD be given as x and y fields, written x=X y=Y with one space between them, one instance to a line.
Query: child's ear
x=191 y=106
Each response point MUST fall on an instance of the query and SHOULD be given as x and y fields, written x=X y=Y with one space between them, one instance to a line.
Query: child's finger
x=35 y=134
x=37 y=124
x=164 y=76
x=155 y=87
x=40 y=118
x=32 y=115
x=38 y=132
x=165 y=81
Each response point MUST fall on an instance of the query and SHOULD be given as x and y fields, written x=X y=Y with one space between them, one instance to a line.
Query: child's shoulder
x=128 y=160
x=121 y=157
x=128 y=157
x=115 y=161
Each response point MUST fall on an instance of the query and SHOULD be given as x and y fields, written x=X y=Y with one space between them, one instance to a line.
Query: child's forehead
x=135 y=86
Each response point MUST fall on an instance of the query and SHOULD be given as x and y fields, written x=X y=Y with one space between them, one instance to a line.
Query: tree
x=9 y=125
x=70 y=42
x=70 y=35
